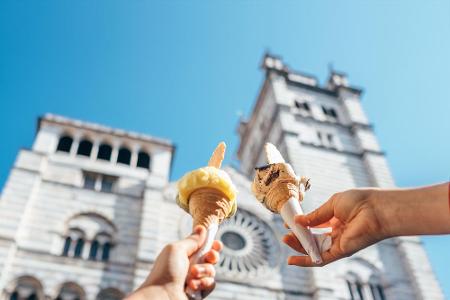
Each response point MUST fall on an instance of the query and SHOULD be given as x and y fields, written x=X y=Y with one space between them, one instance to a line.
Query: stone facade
x=85 y=212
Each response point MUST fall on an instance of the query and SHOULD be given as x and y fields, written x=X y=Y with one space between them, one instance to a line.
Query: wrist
x=385 y=212
x=158 y=292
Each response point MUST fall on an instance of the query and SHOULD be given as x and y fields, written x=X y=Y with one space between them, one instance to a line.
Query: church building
x=85 y=211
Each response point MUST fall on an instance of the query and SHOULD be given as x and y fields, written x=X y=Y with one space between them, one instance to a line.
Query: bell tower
x=324 y=134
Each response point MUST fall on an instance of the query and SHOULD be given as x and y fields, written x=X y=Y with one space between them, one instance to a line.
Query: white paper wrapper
x=197 y=258
x=309 y=241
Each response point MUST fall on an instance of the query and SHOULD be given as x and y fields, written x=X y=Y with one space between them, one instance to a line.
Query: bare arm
x=362 y=217
x=416 y=211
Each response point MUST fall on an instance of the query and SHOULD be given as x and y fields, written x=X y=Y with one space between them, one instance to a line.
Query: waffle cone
x=208 y=205
x=279 y=194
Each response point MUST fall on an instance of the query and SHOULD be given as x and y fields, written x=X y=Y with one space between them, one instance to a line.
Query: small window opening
x=124 y=156
x=64 y=144
x=85 y=148
x=104 y=152
x=89 y=181
x=143 y=160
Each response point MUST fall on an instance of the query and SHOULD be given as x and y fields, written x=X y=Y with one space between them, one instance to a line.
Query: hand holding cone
x=280 y=190
x=209 y=196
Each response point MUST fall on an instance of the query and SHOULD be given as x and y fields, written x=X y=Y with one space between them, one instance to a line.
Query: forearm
x=149 y=292
x=417 y=211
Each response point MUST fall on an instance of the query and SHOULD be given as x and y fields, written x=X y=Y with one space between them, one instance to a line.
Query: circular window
x=233 y=240
x=250 y=247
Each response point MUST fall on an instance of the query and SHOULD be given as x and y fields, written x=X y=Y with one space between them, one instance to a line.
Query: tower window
x=124 y=156
x=106 y=249
x=85 y=148
x=79 y=248
x=377 y=292
x=64 y=144
x=355 y=289
x=104 y=152
x=302 y=105
x=67 y=244
x=319 y=138
x=359 y=290
x=107 y=183
x=90 y=181
x=331 y=142
x=350 y=289
x=330 y=113
x=143 y=160
x=99 y=182
x=93 y=251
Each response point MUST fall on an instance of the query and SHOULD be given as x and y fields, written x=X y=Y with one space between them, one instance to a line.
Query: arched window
x=67 y=244
x=74 y=243
x=359 y=290
x=64 y=144
x=377 y=291
x=94 y=228
x=93 y=251
x=143 y=160
x=85 y=148
x=72 y=291
x=14 y=296
x=105 y=252
x=104 y=152
x=25 y=288
x=79 y=248
x=124 y=156
x=110 y=294
x=32 y=297
x=355 y=289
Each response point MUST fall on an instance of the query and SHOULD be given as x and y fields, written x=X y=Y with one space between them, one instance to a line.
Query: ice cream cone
x=279 y=194
x=209 y=196
x=280 y=190
x=208 y=206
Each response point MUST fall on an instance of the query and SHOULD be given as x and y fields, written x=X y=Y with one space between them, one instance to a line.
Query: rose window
x=250 y=247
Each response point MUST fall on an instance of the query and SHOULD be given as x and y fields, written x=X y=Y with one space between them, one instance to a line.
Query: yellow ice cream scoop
x=206 y=177
x=208 y=193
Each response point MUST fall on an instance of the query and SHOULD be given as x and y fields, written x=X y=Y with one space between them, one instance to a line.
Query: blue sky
x=156 y=66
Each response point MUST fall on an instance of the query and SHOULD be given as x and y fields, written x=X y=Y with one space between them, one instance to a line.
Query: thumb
x=319 y=216
x=193 y=242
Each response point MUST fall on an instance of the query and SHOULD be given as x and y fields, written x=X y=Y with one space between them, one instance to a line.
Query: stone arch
x=25 y=287
x=109 y=227
x=110 y=294
x=70 y=291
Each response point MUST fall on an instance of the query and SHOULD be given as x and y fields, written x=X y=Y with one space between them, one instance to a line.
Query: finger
x=305 y=261
x=318 y=216
x=211 y=257
x=201 y=284
x=193 y=242
x=323 y=225
x=217 y=245
x=290 y=240
x=199 y=271
x=286 y=225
